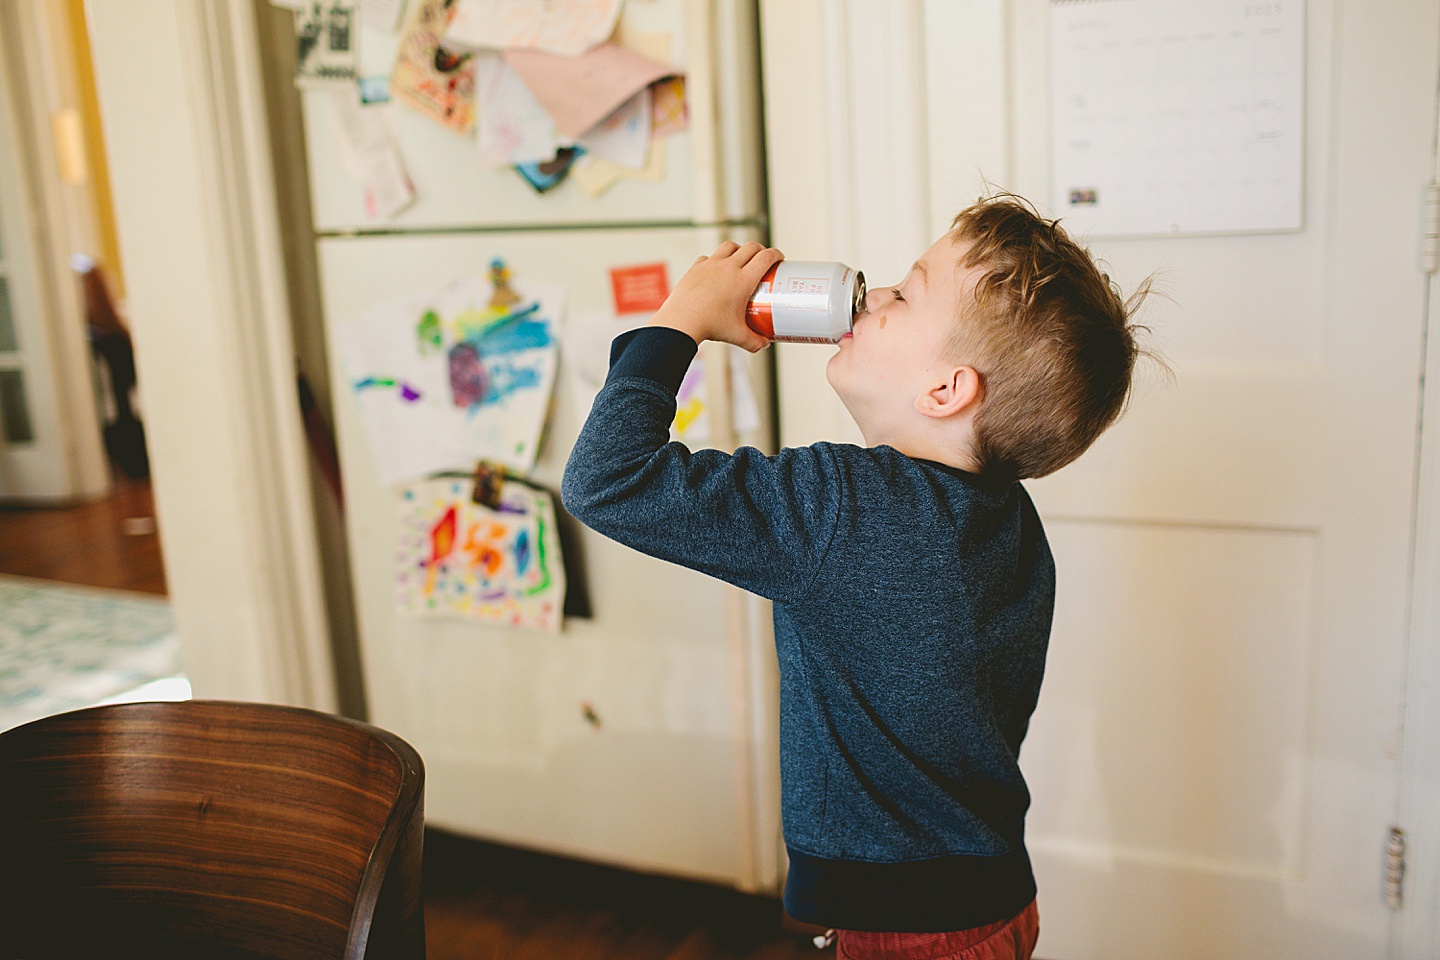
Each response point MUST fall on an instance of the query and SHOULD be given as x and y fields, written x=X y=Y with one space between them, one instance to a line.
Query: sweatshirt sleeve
x=761 y=523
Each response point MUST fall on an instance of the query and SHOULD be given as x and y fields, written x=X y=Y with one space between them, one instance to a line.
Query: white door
x=1214 y=759
x=43 y=456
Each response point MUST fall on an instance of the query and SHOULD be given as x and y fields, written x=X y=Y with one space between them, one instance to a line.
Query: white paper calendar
x=1177 y=116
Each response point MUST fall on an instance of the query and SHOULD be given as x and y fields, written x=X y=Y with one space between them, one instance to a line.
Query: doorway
x=83 y=609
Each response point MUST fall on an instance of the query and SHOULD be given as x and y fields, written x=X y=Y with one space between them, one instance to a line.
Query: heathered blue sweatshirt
x=912 y=606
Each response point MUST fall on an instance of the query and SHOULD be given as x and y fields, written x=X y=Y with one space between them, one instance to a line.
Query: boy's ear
x=959 y=390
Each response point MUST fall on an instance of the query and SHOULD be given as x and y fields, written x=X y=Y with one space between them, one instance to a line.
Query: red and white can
x=803 y=301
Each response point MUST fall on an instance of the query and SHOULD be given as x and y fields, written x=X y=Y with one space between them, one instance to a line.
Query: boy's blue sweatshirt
x=912 y=606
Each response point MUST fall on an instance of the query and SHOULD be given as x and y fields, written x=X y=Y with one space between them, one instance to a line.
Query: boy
x=911 y=580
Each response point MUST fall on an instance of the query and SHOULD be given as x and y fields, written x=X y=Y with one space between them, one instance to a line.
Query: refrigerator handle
x=700 y=91
x=716 y=358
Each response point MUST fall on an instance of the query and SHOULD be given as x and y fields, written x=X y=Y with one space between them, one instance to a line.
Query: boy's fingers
x=762 y=261
x=725 y=249
x=747 y=252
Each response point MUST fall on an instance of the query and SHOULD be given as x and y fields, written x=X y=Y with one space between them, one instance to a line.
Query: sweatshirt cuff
x=660 y=354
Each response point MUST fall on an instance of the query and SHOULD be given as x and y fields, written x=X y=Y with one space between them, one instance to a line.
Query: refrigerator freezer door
x=616 y=739
x=454 y=190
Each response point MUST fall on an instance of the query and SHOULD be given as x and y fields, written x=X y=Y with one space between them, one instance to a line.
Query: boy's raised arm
x=761 y=523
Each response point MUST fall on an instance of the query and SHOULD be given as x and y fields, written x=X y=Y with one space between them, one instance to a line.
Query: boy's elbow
x=586 y=492
x=575 y=494
x=602 y=500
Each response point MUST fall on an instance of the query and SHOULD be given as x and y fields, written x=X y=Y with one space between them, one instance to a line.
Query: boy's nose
x=877 y=297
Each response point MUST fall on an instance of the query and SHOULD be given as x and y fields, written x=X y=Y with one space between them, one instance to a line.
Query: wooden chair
x=209 y=829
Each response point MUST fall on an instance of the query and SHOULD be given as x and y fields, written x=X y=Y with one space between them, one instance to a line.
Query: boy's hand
x=709 y=301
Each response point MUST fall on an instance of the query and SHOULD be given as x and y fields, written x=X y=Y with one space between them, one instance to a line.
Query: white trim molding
x=1415 y=930
x=848 y=162
x=1415 y=934
x=183 y=110
x=969 y=117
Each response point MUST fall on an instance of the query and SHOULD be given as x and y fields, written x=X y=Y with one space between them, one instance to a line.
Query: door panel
x=1185 y=750
x=1214 y=757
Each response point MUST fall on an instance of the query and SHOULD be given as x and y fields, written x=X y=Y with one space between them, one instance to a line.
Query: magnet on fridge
x=642 y=288
x=487 y=480
x=503 y=295
x=375 y=89
x=547 y=174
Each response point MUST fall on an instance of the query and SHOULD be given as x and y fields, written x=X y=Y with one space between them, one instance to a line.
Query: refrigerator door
x=711 y=170
x=615 y=740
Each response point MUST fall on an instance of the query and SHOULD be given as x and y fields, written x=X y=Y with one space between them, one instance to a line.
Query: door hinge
x=1430 y=241
x=1395 y=870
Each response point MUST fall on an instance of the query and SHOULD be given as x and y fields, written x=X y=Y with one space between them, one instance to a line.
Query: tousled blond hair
x=1050 y=335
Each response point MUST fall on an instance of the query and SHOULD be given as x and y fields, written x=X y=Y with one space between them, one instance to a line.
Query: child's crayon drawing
x=461 y=558
x=404 y=390
x=428 y=332
x=451 y=376
x=437 y=82
x=502 y=365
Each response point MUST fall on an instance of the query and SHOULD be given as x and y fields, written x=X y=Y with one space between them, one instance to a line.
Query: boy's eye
x=898 y=294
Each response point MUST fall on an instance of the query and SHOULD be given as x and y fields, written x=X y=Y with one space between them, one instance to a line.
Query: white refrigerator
x=643 y=735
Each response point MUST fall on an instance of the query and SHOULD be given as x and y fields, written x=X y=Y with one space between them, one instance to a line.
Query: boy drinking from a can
x=911 y=580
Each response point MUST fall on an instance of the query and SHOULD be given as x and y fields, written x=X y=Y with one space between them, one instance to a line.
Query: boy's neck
x=940 y=448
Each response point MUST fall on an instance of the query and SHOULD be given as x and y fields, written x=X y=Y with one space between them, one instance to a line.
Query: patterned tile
x=66 y=647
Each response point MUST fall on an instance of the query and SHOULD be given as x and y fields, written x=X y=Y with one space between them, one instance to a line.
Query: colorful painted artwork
x=668 y=113
x=502 y=361
x=447 y=377
x=587 y=352
x=427 y=331
x=427 y=77
x=511 y=126
x=460 y=558
x=567 y=27
x=689 y=403
x=405 y=390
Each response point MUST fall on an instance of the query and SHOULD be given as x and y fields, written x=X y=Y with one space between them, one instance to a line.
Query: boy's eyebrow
x=919 y=267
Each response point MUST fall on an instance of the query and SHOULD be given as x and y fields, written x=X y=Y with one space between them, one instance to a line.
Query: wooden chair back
x=209 y=829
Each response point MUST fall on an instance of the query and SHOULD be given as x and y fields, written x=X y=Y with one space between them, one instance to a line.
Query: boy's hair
x=1051 y=338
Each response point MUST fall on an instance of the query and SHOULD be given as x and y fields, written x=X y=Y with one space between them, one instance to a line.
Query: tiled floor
x=63 y=647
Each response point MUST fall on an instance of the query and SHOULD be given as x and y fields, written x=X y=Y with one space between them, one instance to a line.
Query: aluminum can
x=803 y=301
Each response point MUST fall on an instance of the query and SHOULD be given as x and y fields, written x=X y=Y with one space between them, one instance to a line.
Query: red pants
x=1012 y=939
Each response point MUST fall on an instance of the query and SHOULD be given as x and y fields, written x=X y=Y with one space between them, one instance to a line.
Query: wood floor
x=482 y=902
x=485 y=902
x=110 y=543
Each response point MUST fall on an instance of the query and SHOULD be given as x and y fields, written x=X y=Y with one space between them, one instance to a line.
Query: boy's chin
x=852 y=405
x=836 y=379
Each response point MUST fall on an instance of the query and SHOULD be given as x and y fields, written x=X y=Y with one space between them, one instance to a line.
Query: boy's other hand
x=709 y=301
